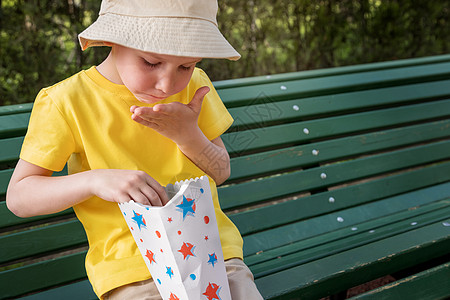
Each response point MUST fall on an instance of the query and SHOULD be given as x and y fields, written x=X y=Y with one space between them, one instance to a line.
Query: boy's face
x=151 y=77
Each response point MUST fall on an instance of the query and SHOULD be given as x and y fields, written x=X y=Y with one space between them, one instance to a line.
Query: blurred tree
x=39 y=46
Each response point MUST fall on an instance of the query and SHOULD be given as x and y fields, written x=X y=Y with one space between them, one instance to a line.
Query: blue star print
x=139 y=219
x=212 y=259
x=169 y=272
x=187 y=207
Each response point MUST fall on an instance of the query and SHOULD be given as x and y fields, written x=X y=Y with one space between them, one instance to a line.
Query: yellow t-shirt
x=86 y=121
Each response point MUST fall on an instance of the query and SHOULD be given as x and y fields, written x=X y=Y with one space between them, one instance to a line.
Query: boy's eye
x=149 y=64
x=184 y=68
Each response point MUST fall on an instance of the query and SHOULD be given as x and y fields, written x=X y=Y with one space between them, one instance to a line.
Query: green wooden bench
x=339 y=176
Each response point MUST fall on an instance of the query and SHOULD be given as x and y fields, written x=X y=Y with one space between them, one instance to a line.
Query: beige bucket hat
x=172 y=27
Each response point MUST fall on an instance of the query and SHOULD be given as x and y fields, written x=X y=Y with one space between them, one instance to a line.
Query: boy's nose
x=165 y=83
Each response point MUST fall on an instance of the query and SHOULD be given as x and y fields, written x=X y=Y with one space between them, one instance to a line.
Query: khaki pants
x=240 y=279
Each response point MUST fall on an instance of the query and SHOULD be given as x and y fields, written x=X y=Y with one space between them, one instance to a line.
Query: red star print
x=211 y=291
x=206 y=238
x=169 y=220
x=173 y=297
x=150 y=256
x=186 y=250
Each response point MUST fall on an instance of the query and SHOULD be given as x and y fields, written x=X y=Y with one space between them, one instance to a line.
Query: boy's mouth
x=149 y=98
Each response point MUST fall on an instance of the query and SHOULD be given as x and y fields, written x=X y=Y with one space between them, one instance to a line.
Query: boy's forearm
x=40 y=195
x=210 y=156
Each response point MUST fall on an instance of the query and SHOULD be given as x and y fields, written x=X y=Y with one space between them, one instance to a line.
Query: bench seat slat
x=42 y=240
x=270 y=111
x=340 y=271
x=336 y=84
x=238 y=143
x=306 y=207
x=307 y=180
x=424 y=285
x=297 y=231
x=382 y=229
x=370 y=226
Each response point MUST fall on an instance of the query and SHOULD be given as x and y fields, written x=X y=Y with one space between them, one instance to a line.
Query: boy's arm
x=179 y=122
x=32 y=191
x=210 y=156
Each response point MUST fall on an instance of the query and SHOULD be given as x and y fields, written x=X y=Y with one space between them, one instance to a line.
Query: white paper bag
x=180 y=242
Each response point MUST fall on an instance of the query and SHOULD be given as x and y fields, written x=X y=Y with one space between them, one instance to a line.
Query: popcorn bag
x=180 y=242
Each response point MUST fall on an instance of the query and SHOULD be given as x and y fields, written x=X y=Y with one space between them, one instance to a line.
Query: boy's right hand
x=125 y=185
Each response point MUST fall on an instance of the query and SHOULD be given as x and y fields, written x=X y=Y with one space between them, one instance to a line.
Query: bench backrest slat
x=306 y=207
x=41 y=240
x=308 y=180
x=269 y=162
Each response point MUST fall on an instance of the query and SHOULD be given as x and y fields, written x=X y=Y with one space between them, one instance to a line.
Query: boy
x=175 y=126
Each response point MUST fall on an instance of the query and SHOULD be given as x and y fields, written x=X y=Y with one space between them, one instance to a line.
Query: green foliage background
x=39 y=47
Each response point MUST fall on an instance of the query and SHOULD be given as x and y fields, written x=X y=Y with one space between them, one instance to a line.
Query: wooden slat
x=310 y=154
x=335 y=84
x=424 y=285
x=267 y=217
x=5 y=176
x=297 y=257
x=10 y=149
x=385 y=227
x=365 y=227
x=41 y=240
x=294 y=232
x=239 y=143
x=15 y=109
x=273 y=112
x=8 y=219
x=42 y=275
x=334 y=273
x=307 y=180
x=232 y=83
x=75 y=291
x=14 y=125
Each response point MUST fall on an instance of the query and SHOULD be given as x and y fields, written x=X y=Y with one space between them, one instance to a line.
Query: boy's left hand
x=175 y=120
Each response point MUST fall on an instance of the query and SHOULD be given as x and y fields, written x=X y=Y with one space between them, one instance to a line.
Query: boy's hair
x=172 y=27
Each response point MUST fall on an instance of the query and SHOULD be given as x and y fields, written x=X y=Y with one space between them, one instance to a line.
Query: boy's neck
x=108 y=70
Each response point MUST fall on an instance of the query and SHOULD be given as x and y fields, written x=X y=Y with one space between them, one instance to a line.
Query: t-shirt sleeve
x=49 y=141
x=214 y=118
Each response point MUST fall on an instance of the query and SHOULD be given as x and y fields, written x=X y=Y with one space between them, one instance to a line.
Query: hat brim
x=189 y=37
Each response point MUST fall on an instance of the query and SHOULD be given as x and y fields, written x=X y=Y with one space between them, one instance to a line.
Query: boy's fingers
x=159 y=190
x=196 y=102
x=162 y=108
x=140 y=197
x=151 y=196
